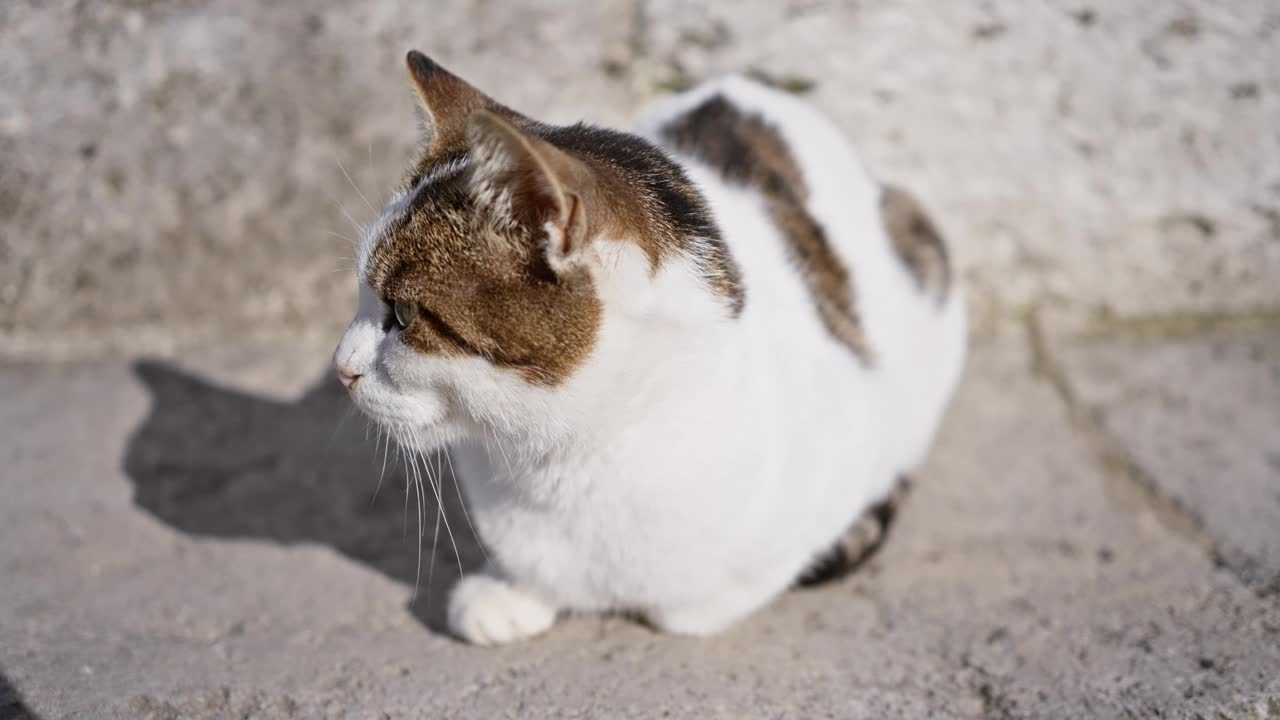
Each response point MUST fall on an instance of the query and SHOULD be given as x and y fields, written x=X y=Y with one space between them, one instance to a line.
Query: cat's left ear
x=525 y=180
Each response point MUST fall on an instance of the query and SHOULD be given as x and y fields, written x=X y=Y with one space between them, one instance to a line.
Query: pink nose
x=347 y=378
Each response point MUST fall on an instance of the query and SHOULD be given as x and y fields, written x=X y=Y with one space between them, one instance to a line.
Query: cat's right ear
x=524 y=180
x=445 y=102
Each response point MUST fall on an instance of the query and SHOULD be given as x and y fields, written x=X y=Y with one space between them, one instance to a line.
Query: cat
x=674 y=365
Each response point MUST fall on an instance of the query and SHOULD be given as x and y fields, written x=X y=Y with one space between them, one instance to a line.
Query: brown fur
x=480 y=273
x=746 y=150
x=917 y=242
x=445 y=102
x=638 y=192
x=646 y=198
x=484 y=296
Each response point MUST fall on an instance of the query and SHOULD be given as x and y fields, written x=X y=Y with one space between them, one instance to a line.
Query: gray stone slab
x=1200 y=417
x=179 y=540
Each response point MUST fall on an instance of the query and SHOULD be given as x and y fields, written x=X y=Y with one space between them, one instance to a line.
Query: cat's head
x=512 y=259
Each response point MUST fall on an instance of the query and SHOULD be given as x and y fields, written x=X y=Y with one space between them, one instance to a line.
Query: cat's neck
x=654 y=399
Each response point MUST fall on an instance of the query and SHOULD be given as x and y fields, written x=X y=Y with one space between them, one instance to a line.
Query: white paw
x=484 y=610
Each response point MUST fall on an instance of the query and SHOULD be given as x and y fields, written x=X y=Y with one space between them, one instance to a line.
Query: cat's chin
x=424 y=426
x=421 y=421
x=414 y=433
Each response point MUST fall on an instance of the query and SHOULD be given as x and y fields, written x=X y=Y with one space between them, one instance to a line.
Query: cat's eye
x=405 y=312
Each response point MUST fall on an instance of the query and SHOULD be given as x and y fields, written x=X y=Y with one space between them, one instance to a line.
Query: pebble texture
x=193 y=526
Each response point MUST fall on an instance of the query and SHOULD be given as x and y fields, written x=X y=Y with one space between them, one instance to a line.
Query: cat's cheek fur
x=396 y=387
x=405 y=408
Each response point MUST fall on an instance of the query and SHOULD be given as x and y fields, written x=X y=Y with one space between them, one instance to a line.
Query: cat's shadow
x=216 y=462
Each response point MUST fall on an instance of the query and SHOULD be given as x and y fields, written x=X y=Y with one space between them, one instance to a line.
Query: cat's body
x=728 y=423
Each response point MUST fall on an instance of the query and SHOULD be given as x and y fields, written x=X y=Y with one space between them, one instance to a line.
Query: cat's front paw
x=484 y=610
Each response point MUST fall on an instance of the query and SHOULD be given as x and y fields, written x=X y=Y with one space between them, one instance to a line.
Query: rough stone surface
x=207 y=534
x=170 y=172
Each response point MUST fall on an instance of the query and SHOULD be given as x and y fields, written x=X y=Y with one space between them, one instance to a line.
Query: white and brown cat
x=675 y=365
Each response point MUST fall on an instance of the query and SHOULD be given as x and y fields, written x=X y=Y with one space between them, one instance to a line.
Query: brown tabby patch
x=648 y=199
x=859 y=542
x=746 y=150
x=917 y=242
x=484 y=287
x=482 y=297
x=645 y=197
x=446 y=102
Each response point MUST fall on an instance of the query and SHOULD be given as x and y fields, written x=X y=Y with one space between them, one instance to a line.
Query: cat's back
x=754 y=134
x=798 y=211
x=832 y=261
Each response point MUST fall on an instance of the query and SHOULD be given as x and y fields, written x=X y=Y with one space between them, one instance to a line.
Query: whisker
x=400 y=449
x=435 y=542
x=347 y=262
x=417 y=474
x=487 y=452
x=355 y=187
x=386 y=447
x=341 y=421
x=494 y=432
x=503 y=450
x=359 y=228
x=462 y=501
x=447 y=528
x=435 y=537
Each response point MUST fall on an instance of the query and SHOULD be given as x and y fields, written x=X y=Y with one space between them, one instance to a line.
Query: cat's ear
x=527 y=181
x=445 y=101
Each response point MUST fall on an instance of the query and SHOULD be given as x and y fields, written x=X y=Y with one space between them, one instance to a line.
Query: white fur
x=695 y=464
x=486 y=610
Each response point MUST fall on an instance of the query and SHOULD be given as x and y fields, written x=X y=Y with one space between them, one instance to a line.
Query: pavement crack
x=1179 y=325
x=12 y=307
x=1121 y=471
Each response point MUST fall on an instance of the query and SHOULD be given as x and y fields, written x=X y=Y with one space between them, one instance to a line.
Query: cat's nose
x=347 y=378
